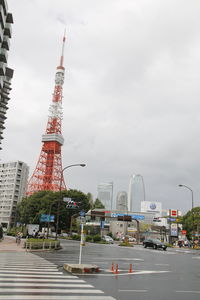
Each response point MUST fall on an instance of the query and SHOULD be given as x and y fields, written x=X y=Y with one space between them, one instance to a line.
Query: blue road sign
x=82 y=213
x=47 y=218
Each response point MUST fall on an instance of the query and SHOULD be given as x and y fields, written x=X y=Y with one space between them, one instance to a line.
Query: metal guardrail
x=42 y=245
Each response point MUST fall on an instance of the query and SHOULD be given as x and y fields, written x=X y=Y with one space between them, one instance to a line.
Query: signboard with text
x=47 y=218
x=174 y=229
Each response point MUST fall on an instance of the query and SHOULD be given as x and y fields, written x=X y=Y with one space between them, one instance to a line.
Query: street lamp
x=187 y=187
x=60 y=189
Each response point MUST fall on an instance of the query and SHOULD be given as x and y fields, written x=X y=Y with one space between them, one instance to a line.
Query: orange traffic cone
x=131 y=269
x=112 y=268
x=116 y=270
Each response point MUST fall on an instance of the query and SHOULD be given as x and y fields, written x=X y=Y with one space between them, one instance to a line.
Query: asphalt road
x=157 y=274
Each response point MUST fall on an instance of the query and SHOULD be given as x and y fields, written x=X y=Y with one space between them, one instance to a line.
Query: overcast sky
x=131 y=95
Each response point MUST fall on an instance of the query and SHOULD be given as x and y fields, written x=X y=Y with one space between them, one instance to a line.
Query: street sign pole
x=81 y=243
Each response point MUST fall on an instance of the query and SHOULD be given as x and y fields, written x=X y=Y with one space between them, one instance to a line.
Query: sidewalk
x=9 y=244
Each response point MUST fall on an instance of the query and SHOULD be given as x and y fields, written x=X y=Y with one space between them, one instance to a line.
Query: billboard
x=153 y=207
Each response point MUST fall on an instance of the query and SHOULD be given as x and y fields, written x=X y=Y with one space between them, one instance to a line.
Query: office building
x=122 y=201
x=13 y=184
x=105 y=194
x=136 y=193
x=6 y=73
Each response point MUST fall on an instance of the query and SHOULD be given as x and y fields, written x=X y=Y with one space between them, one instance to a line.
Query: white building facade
x=13 y=185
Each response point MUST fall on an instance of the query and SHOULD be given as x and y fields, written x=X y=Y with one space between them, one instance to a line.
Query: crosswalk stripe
x=27 y=272
x=49 y=285
x=54 y=297
x=41 y=279
x=36 y=280
x=30 y=270
x=35 y=276
x=50 y=291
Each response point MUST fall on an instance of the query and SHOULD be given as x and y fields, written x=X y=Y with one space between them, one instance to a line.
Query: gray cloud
x=131 y=95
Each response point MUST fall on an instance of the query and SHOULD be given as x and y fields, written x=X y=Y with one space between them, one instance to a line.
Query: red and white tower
x=48 y=171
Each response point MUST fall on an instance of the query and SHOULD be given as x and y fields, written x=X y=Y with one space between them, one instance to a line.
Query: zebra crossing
x=25 y=276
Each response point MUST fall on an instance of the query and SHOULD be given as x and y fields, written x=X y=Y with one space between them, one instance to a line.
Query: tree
x=1 y=232
x=191 y=218
x=30 y=208
x=98 y=204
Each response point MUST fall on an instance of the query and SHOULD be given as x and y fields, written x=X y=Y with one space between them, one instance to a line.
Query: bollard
x=116 y=270
x=112 y=267
x=130 y=269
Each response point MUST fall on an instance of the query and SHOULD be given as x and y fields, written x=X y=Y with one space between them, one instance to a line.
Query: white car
x=108 y=239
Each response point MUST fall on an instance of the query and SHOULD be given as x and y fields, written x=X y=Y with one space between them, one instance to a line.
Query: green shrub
x=89 y=238
x=76 y=237
x=124 y=244
x=96 y=238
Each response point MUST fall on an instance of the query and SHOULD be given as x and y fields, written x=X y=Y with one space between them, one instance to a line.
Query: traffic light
x=72 y=204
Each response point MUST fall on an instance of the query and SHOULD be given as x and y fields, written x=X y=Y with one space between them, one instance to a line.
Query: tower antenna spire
x=47 y=175
x=63 y=49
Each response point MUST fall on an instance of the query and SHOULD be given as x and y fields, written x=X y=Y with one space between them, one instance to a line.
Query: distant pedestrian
x=180 y=244
x=18 y=238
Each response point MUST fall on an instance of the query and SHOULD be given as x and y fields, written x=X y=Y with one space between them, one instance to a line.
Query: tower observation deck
x=48 y=172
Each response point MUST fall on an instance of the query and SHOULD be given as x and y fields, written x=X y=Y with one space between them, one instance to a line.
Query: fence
x=42 y=245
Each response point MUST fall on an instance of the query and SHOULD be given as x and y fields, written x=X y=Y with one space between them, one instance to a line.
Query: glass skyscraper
x=122 y=201
x=105 y=194
x=136 y=193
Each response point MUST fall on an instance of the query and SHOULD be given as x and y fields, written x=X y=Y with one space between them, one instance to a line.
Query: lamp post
x=187 y=187
x=60 y=189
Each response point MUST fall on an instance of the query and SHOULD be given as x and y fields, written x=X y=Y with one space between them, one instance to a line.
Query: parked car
x=108 y=239
x=154 y=243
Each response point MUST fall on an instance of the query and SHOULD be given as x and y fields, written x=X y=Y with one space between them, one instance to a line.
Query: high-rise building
x=6 y=73
x=13 y=184
x=48 y=172
x=105 y=194
x=122 y=201
x=136 y=193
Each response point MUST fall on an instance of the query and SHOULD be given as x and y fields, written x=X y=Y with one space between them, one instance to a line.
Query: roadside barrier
x=31 y=246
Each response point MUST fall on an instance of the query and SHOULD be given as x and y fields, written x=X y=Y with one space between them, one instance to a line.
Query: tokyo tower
x=48 y=172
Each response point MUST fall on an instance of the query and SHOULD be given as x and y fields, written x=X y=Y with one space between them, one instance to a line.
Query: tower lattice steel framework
x=48 y=172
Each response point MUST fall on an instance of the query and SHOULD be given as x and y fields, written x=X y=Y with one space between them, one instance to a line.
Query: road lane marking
x=193 y=292
x=11 y=279
x=55 y=297
x=27 y=272
x=30 y=270
x=50 y=291
x=125 y=274
x=36 y=275
x=49 y=285
x=137 y=291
